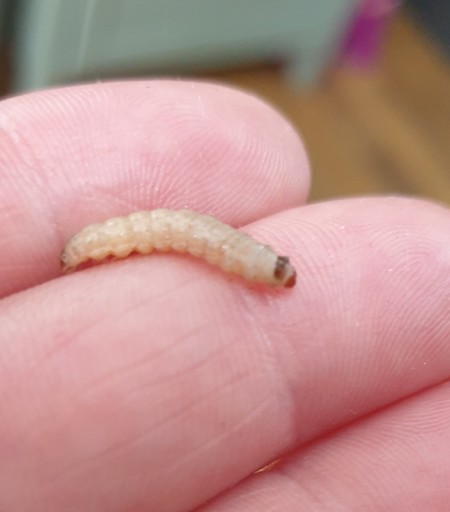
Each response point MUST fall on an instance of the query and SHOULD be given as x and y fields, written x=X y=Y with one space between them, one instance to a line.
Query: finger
x=398 y=459
x=79 y=155
x=131 y=387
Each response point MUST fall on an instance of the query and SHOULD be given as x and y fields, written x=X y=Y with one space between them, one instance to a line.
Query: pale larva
x=182 y=231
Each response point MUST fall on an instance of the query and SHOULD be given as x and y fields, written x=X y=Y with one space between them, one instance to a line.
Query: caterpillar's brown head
x=284 y=273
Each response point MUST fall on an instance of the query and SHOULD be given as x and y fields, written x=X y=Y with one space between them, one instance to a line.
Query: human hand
x=159 y=383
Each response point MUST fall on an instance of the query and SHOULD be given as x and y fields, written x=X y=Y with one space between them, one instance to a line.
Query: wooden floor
x=386 y=131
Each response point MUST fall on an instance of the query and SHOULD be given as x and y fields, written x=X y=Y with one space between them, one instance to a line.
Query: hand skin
x=162 y=384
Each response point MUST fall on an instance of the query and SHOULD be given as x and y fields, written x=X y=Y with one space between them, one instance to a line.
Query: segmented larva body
x=182 y=231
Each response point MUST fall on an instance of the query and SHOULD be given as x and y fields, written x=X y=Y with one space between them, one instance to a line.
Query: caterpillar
x=183 y=231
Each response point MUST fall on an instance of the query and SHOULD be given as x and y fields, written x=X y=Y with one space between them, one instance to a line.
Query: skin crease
x=126 y=382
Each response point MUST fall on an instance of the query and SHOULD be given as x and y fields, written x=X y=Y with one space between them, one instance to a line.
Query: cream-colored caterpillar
x=182 y=231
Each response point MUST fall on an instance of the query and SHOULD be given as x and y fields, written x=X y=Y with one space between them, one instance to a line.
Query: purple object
x=363 y=40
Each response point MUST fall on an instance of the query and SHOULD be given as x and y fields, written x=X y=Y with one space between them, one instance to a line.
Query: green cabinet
x=63 y=41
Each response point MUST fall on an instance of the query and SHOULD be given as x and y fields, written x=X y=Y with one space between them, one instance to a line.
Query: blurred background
x=365 y=82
